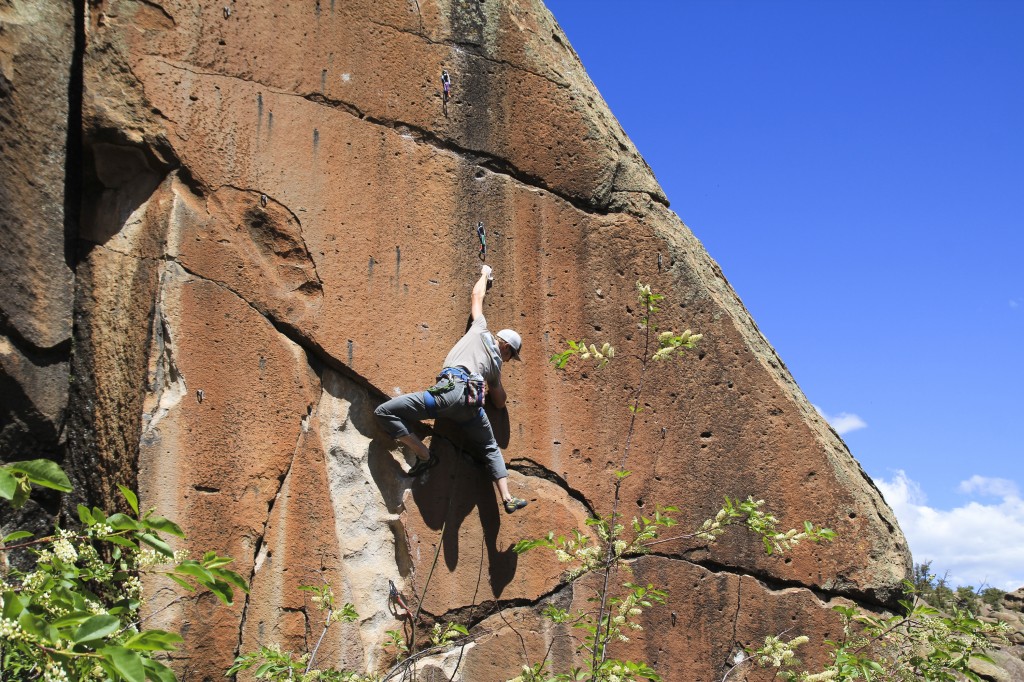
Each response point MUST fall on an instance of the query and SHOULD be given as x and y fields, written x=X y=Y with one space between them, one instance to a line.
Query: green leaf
x=118 y=540
x=211 y=560
x=263 y=669
x=127 y=606
x=85 y=516
x=14 y=604
x=155 y=670
x=524 y=546
x=123 y=522
x=43 y=472
x=76 y=618
x=17 y=535
x=95 y=628
x=126 y=662
x=156 y=543
x=34 y=625
x=222 y=590
x=8 y=484
x=181 y=581
x=231 y=577
x=133 y=501
x=154 y=640
x=22 y=492
x=159 y=523
x=192 y=568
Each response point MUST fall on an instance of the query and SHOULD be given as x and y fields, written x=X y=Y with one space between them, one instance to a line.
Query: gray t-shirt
x=477 y=351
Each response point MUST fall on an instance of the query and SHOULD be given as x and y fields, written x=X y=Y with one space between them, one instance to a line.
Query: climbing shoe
x=514 y=503
x=422 y=465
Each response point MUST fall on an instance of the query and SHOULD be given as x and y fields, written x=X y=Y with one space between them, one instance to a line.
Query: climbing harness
x=481 y=233
x=446 y=381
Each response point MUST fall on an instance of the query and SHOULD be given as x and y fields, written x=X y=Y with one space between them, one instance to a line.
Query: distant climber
x=458 y=395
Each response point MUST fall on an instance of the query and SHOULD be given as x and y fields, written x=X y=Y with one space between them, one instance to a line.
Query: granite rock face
x=278 y=232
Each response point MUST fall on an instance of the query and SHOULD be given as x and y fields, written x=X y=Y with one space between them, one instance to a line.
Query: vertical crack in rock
x=73 y=143
x=736 y=646
x=259 y=553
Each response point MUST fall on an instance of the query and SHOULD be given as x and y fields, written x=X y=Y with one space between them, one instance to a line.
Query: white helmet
x=513 y=340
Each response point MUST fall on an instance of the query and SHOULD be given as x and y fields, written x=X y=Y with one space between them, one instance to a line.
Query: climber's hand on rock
x=486 y=271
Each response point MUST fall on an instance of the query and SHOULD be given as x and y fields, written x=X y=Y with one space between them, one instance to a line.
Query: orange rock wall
x=277 y=233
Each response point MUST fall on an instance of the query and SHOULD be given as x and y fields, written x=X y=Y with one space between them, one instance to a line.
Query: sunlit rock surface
x=278 y=232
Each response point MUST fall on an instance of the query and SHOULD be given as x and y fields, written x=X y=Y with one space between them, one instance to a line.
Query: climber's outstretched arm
x=476 y=309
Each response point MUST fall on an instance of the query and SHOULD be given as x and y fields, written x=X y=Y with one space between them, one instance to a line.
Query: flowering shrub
x=75 y=614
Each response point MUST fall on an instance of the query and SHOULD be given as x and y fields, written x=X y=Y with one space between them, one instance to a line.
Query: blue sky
x=857 y=169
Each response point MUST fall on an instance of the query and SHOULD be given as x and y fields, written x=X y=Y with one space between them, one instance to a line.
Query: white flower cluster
x=578 y=548
x=616 y=674
x=627 y=609
x=323 y=599
x=10 y=631
x=131 y=587
x=671 y=343
x=63 y=549
x=33 y=581
x=54 y=672
x=778 y=653
x=99 y=530
x=711 y=529
x=148 y=557
x=785 y=541
x=606 y=353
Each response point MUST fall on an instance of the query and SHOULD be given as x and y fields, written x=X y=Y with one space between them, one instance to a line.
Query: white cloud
x=993 y=487
x=1014 y=303
x=844 y=422
x=976 y=543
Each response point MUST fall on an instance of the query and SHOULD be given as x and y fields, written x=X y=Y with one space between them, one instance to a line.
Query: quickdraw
x=396 y=597
x=482 y=234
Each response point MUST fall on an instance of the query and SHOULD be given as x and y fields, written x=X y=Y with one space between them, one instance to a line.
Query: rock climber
x=458 y=395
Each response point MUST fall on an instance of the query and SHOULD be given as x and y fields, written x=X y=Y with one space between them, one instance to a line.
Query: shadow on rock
x=449 y=492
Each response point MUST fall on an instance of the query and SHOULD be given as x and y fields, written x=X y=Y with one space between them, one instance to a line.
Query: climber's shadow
x=450 y=492
x=499 y=425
